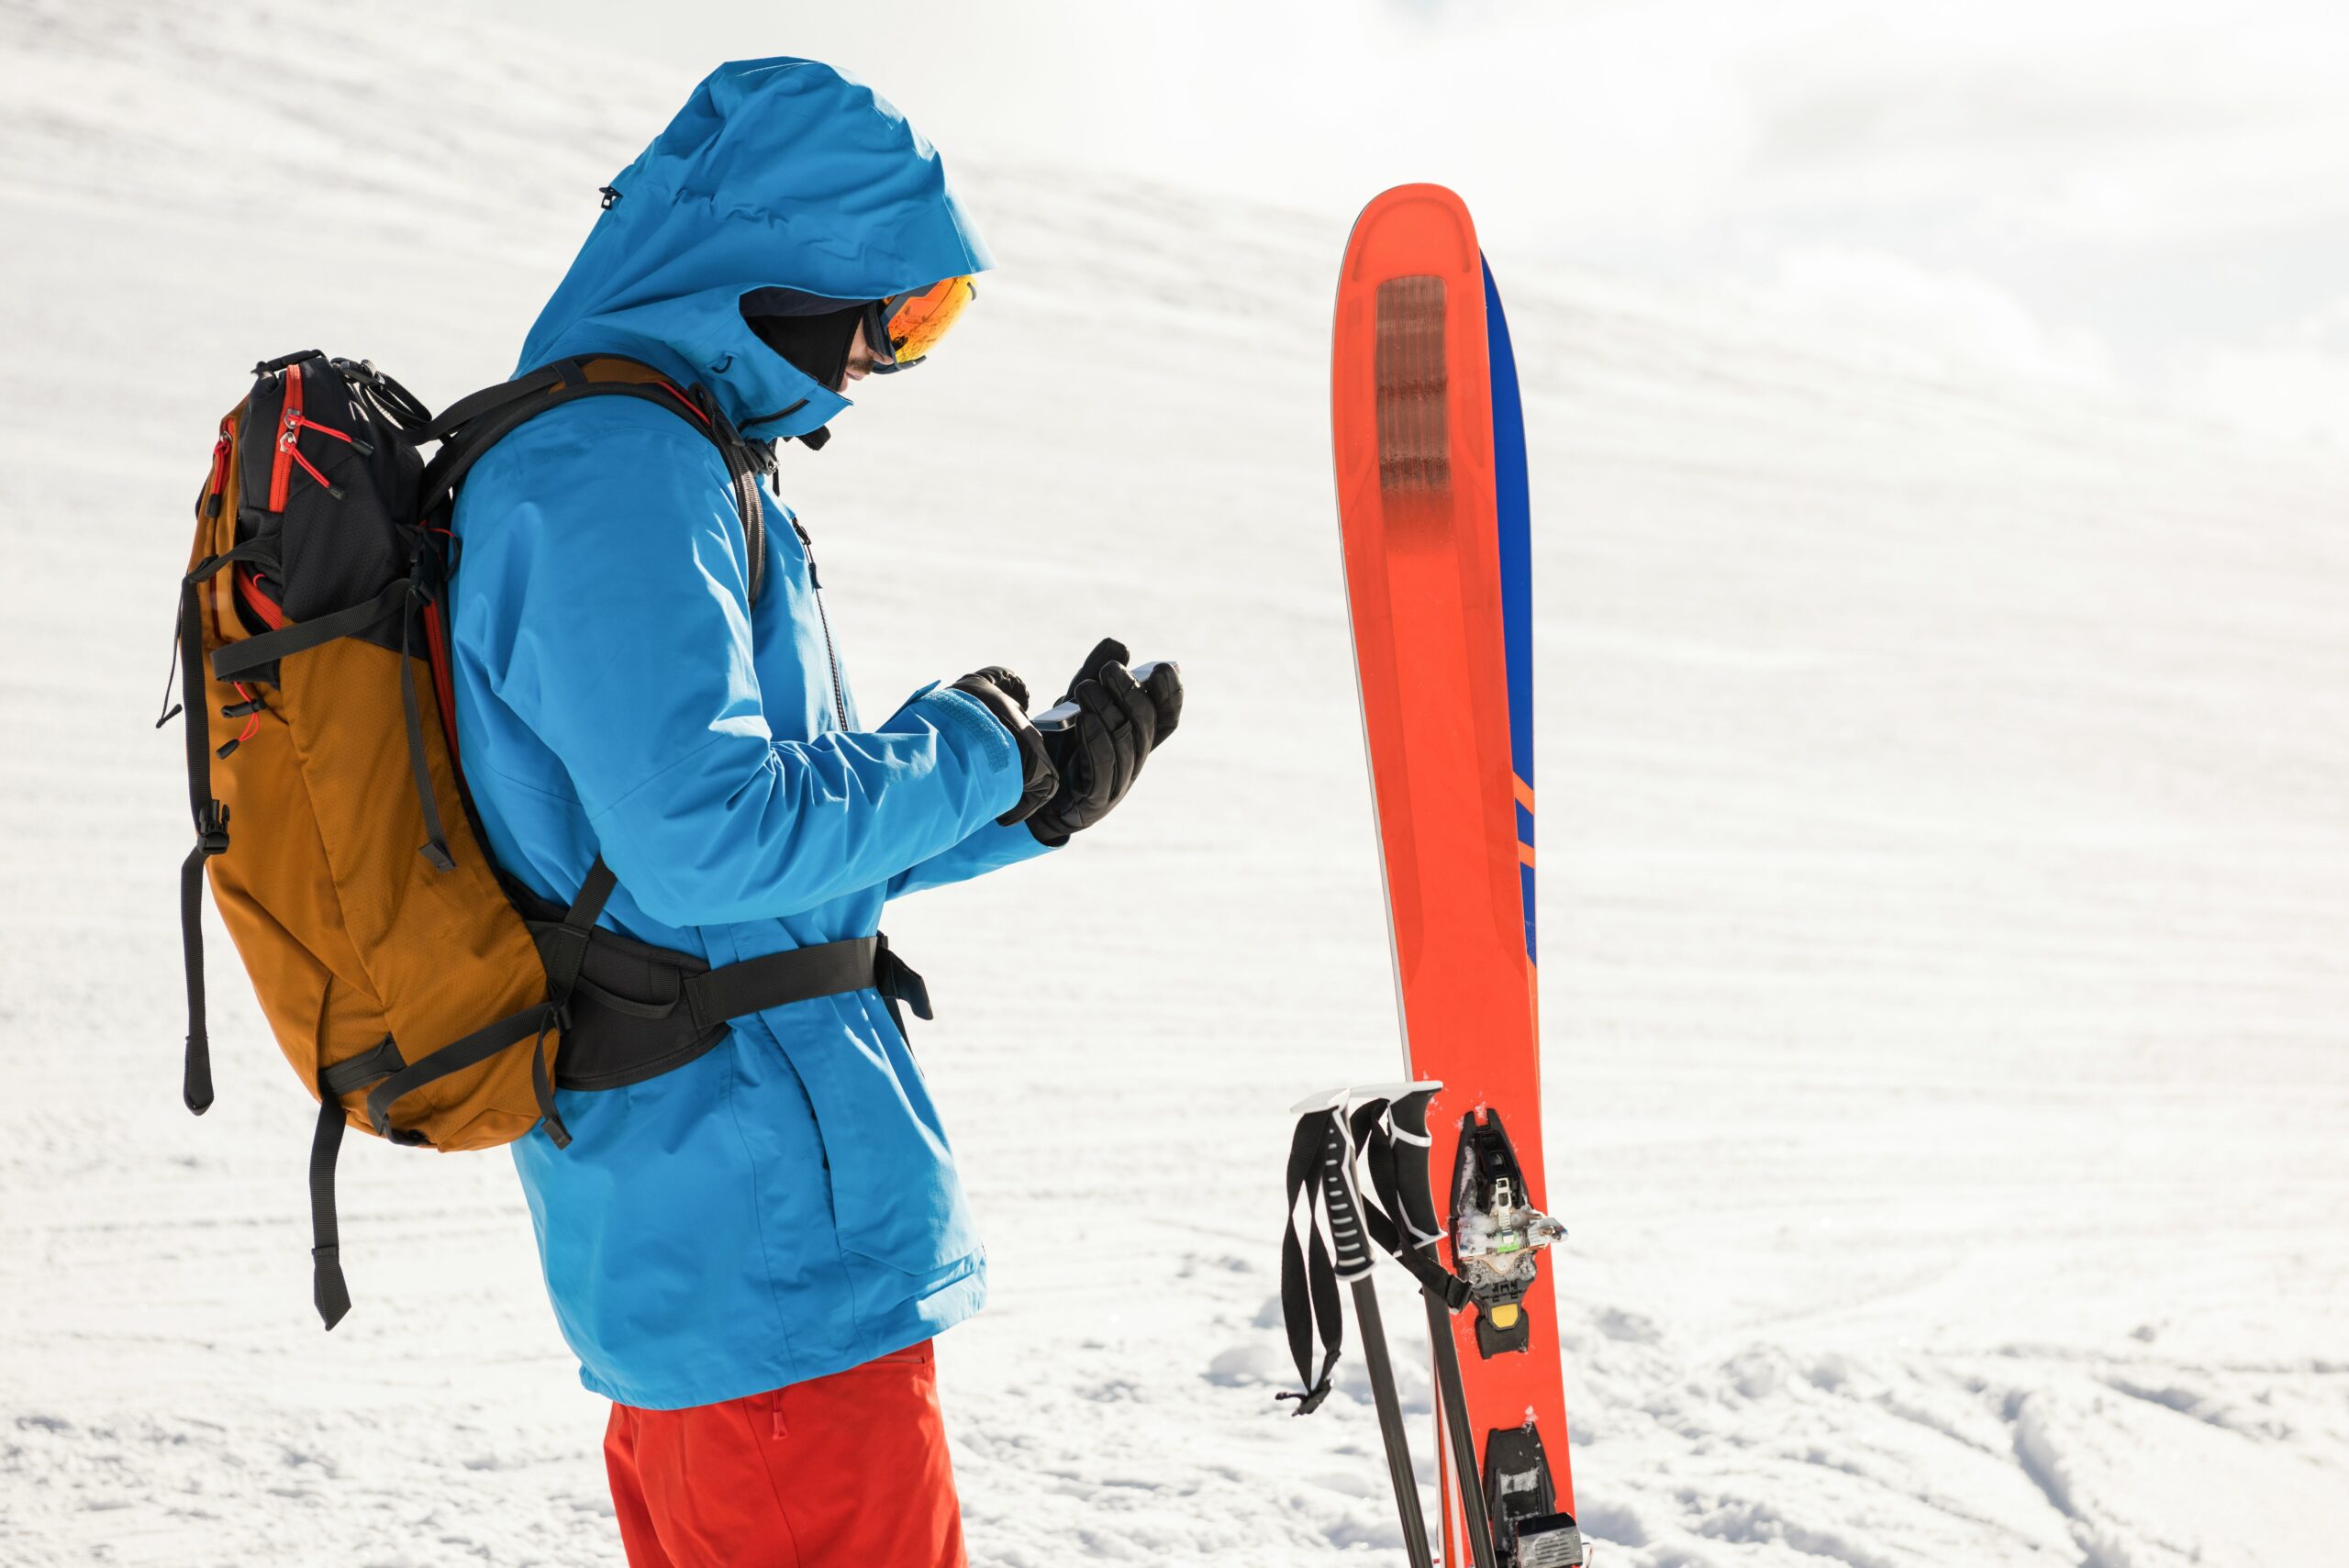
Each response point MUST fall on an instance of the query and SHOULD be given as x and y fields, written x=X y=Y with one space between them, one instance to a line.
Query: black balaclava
x=813 y=333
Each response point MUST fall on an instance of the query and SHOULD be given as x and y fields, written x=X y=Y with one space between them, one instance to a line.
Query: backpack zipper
x=219 y=470
x=831 y=654
x=289 y=427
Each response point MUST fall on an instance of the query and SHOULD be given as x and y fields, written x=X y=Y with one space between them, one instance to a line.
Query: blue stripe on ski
x=1514 y=513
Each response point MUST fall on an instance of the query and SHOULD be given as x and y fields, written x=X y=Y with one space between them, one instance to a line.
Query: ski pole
x=1408 y=1114
x=1352 y=1256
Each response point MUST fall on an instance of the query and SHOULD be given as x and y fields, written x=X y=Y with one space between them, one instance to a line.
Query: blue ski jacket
x=786 y=1206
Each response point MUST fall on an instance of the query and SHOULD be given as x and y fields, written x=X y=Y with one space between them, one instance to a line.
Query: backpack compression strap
x=211 y=821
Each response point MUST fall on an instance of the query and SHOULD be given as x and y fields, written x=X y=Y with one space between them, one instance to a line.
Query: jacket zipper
x=831 y=654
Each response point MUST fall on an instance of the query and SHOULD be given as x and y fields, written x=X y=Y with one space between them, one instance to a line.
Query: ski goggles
x=903 y=328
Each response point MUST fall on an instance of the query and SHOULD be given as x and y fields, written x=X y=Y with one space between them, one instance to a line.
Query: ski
x=1433 y=510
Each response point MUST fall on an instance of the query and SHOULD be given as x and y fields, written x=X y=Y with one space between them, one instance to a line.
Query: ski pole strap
x=1309 y=1279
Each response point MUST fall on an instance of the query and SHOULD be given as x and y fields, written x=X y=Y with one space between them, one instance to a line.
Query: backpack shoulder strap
x=472 y=425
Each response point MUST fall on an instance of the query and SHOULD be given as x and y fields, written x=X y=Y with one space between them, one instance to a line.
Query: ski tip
x=1410 y=192
x=1414 y=228
x=1328 y=1100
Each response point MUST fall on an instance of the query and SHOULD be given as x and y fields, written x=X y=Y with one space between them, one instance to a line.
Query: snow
x=1945 y=880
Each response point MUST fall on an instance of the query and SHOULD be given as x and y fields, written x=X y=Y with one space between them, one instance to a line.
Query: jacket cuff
x=959 y=710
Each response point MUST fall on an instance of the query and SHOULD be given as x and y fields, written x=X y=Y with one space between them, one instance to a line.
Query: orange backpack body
x=417 y=994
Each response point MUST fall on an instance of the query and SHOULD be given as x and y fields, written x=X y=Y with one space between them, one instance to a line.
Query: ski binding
x=1497 y=1232
x=1528 y=1531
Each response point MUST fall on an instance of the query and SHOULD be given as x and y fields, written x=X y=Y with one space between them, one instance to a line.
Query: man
x=751 y=1253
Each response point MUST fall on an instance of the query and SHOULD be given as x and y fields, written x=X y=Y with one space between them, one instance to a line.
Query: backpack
x=419 y=994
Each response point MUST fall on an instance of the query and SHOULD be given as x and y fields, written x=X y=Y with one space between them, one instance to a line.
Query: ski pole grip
x=1409 y=1113
x=1348 y=1246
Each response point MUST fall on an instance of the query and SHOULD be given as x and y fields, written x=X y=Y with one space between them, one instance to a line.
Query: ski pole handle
x=1062 y=715
x=1408 y=1114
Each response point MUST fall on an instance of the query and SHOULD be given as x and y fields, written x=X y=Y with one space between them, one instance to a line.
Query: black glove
x=1118 y=723
x=1004 y=695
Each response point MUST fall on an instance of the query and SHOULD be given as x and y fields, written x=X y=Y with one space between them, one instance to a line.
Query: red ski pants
x=847 y=1470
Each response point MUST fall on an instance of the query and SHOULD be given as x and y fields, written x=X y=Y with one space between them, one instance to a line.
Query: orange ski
x=1432 y=498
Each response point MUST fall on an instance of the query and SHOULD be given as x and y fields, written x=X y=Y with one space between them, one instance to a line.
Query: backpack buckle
x=212 y=830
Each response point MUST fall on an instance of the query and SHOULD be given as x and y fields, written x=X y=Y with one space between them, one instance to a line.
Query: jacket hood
x=777 y=173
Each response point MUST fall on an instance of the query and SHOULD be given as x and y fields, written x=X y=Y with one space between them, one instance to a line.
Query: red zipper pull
x=219 y=475
x=329 y=486
x=362 y=447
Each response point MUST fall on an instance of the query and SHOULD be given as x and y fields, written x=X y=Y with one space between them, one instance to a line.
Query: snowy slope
x=1945 y=876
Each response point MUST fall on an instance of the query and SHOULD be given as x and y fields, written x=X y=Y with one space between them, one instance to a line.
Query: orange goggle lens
x=914 y=322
